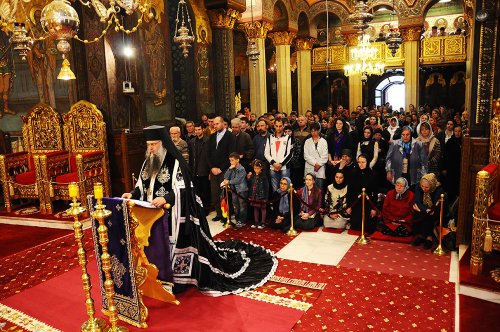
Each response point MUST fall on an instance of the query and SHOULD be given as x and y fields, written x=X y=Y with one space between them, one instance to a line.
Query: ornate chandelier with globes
x=362 y=57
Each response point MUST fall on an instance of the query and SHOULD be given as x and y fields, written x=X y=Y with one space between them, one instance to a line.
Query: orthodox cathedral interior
x=80 y=80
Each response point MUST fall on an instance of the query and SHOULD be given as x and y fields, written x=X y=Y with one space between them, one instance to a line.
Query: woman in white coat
x=316 y=155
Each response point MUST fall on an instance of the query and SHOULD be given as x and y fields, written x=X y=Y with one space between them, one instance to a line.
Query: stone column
x=355 y=84
x=304 y=47
x=282 y=40
x=222 y=22
x=257 y=70
x=411 y=37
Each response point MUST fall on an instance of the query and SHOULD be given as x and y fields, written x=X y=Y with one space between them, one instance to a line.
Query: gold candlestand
x=291 y=231
x=227 y=224
x=100 y=214
x=439 y=251
x=362 y=239
x=93 y=324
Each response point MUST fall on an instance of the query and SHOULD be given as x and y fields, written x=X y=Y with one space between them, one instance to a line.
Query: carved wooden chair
x=85 y=138
x=486 y=224
x=20 y=172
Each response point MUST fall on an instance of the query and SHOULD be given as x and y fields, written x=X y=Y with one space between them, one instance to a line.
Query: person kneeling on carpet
x=427 y=196
x=185 y=253
x=310 y=197
x=336 y=202
x=281 y=208
x=397 y=211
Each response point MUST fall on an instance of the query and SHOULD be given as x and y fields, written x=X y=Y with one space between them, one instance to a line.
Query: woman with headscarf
x=393 y=131
x=431 y=146
x=406 y=158
x=368 y=146
x=310 y=204
x=426 y=211
x=336 y=202
x=397 y=211
x=338 y=140
x=363 y=178
x=280 y=218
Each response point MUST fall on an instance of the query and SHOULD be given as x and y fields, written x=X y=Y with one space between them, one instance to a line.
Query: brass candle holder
x=227 y=224
x=291 y=231
x=362 y=239
x=93 y=324
x=439 y=251
x=100 y=214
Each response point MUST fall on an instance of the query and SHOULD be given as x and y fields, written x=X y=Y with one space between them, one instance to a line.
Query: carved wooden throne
x=487 y=200
x=85 y=138
x=20 y=172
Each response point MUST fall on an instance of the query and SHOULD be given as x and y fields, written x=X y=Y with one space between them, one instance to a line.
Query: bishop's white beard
x=153 y=162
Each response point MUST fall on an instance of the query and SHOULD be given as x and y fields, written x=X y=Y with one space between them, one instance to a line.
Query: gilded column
x=222 y=22
x=411 y=37
x=282 y=40
x=355 y=84
x=304 y=47
x=257 y=31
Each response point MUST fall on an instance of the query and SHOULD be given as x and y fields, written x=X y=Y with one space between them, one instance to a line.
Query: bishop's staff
x=93 y=324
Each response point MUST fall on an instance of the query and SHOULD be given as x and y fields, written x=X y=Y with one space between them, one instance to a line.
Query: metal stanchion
x=100 y=214
x=228 y=220
x=362 y=239
x=93 y=324
x=439 y=251
x=291 y=231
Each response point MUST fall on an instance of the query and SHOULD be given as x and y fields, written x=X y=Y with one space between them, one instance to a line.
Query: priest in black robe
x=192 y=256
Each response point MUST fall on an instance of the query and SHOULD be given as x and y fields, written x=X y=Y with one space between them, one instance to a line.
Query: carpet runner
x=397 y=258
x=478 y=315
x=12 y=242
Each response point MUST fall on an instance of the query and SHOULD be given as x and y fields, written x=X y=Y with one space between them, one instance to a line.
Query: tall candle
x=73 y=190
x=98 y=190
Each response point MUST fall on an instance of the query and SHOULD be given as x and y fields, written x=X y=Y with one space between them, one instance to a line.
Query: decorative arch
x=281 y=23
x=303 y=7
x=333 y=7
x=303 y=25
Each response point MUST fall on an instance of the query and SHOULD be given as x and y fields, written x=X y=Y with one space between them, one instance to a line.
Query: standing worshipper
x=180 y=144
x=190 y=255
x=278 y=152
x=432 y=148
x=316 y=155
x=235 y=177
x=220 y=145
x=368 y=146
x=198 y=163
x=260 y=139
x=406 y=158
x=451 y=165
x=243 y=144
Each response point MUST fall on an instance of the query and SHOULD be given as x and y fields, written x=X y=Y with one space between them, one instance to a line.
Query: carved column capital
x=282 y=37
x=256 y=29
x=351 y=39
x=223 y=19
x=411 y=33
x=302 y=44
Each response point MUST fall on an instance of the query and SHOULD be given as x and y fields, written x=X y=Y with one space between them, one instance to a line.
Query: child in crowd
x=259 y=192
x=235 y=177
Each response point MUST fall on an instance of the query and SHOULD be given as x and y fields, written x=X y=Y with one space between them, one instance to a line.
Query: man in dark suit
x=198 y=163
x=243 y=144
x=220 y=146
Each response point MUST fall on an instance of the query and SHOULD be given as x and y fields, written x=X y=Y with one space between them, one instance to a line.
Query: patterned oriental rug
x=397 y=258
x=13 y=243
x=357 y=300
x=267 y=237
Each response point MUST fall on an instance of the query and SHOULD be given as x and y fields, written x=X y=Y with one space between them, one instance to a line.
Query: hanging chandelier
x=362 y=56
x=183 y=35
x=393 y=39
x=20 y=40
x=252 y=50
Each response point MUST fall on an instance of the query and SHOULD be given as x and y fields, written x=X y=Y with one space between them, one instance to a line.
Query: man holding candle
x=216 y=268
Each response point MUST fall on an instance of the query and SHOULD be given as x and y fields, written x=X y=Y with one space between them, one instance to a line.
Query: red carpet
x=357 y=300
x=484 y=280
x=13 y=242
x=196 y=312
x=33 y=212
x=332 y=230
x=478 y=315
x=269 y=238
x=397 y=258
x=382 y=237
x=33 y=266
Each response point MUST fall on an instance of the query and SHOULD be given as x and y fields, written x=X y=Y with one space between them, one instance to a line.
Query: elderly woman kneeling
x=397 y=210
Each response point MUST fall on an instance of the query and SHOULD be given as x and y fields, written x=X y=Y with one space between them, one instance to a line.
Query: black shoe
x=217 y=218
x=179 y=288
x=427 y=244
x=418 y=240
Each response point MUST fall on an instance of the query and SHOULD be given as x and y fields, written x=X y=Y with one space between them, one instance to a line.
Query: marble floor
x=329 y=248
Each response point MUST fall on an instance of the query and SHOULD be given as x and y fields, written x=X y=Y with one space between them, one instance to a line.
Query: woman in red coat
x=397 y=210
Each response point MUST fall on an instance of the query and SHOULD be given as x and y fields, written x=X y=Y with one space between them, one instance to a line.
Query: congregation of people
x=403 y=160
